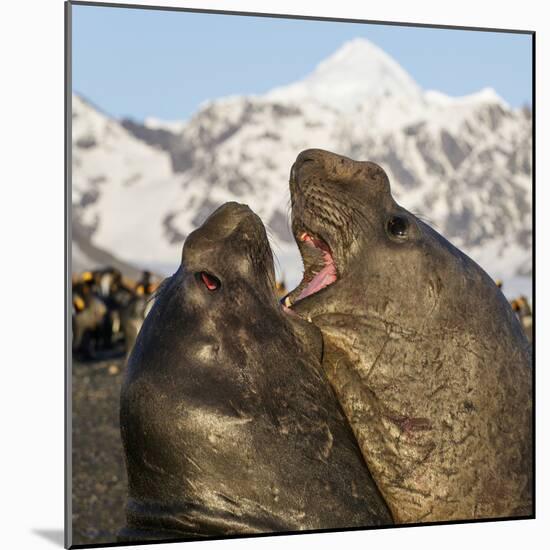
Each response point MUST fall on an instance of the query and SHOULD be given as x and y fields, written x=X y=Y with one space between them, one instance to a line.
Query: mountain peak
x=356 y=73
x=362 y=59
x=356 y=49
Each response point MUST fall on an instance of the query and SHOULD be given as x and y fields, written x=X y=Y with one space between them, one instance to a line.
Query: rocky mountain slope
x=464 y=164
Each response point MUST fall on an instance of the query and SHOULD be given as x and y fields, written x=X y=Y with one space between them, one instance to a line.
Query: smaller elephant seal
x=424 y=352
x=228 y=423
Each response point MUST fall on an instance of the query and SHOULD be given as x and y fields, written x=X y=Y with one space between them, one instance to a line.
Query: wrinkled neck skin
x=433 y=371
x=230 y=426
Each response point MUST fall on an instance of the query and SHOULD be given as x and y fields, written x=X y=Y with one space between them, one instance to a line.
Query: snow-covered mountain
x=464 y=164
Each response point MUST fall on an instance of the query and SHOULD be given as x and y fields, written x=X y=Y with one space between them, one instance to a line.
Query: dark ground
x=99 y=475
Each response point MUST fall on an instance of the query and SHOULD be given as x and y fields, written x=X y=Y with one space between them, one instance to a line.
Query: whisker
x=289 y=219
x=273 y=244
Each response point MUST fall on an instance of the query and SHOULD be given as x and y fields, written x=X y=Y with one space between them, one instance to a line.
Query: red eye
x=212 y=283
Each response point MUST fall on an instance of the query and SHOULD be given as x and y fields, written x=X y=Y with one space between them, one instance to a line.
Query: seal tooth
x=288 y=303
x=309 y=319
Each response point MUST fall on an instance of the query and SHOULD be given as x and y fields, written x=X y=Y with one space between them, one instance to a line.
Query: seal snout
x=211 y=239
x=226 y=220
x=320 y=166
x=311 y=157
x=230 y=215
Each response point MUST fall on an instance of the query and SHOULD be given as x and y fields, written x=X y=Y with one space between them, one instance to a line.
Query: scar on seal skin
x=228 y=421
x=423 y=350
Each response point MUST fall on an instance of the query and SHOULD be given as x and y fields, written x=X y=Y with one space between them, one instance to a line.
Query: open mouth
x=319 y=267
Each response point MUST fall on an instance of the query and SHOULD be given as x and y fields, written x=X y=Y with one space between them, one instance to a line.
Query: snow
x=448 y=159
x=134 y=183
x=174 y=126
x=485 y=95
x=359 y=72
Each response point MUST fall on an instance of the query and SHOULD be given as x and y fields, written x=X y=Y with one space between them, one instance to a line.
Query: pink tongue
x=325 y=277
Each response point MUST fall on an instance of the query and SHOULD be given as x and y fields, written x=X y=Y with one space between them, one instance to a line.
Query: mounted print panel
x=301 y=257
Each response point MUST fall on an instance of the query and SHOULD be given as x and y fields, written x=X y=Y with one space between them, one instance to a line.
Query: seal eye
x=398 y=227
x=210 y=282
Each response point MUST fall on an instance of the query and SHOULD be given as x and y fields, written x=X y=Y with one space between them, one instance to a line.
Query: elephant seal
x=228 y=422
x=424 y=352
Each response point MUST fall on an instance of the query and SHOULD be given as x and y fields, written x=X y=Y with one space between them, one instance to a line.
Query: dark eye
x=210 y=282
x=398 y=227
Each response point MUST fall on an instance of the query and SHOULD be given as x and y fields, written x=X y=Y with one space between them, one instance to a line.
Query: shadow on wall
x=52 y=535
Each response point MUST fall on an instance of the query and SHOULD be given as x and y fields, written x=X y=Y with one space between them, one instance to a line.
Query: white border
x=31 y=134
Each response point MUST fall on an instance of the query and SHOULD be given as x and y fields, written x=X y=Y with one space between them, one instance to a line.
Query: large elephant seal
x=423 y=350
x=228 y=422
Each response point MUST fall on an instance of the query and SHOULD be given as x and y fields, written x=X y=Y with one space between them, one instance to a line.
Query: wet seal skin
x=423 y=350
x=228 y=421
